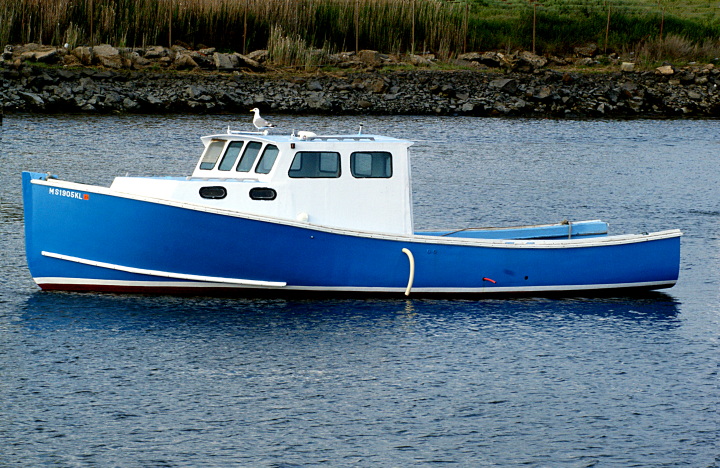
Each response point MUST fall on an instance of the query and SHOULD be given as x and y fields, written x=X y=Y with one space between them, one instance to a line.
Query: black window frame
x=260 y=166
x=215 y=192
x=262 y=193
x=315 y=172
x=207 y=164
x=357 y=175
x=249 y=146
x=223 y=166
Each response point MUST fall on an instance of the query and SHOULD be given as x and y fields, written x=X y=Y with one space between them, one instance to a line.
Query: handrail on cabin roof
x=340 y=138
x=306 y=138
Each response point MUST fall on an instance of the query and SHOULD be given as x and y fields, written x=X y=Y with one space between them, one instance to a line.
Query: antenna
x=360 y=131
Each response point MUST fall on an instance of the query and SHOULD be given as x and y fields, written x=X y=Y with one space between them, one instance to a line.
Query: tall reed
x=674 y=47
x=444 y=27
x=293 y=51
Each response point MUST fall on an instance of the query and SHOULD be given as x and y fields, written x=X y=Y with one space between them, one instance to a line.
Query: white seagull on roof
x=259 y=122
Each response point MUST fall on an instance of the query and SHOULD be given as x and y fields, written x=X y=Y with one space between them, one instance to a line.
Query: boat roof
x=306 y=136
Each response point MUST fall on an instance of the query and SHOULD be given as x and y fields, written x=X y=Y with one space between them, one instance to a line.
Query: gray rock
x=156 y=52
x=184 y=62
x=33 y=99
x=492 y=59
x=589 y=50
x=418 y=92
x=542 y=93
x=687 y=77
x=84 y=54
x=258 y=55
x=105 y=50
x=47 y=56
x=504 y=84
x=243 y=61
x=224 y=62
x=628 y=89
x=203 y=60
x=110 y=61
x=317 y=101
x=195 y=92
x=130 y=105
x=107 y=56
x=419 y=61
x=153 y=100
x=314 y=85
x=470 y=56
x=370 y=57
x=501 y=108
x=530 y=61
x=585 y=62
x=137 y=61
x=375 y=85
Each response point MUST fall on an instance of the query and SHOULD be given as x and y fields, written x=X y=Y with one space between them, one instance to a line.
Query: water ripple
x=112 y=380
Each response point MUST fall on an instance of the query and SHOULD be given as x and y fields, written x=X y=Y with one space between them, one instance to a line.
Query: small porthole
x=262 y=193
x=213 y=193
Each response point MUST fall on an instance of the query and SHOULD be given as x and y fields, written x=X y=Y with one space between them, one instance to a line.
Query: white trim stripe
x=487 y=290
x=164 y=274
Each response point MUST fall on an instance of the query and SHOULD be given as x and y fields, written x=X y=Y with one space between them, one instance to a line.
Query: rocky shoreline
x=532 y=91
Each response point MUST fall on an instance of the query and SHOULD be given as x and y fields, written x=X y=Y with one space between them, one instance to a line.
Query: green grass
x=446 y=28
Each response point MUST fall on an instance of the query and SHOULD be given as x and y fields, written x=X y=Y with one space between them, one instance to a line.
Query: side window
x=212 y=153
x=249 y=155
x=267 y=159
x=213 y=193
x=231 y=154
x=315 y=165
x=376 y=164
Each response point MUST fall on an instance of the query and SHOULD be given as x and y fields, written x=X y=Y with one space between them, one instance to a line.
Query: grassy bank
x=442 y=27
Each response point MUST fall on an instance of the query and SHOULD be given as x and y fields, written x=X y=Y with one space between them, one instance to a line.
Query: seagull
x=259 y=122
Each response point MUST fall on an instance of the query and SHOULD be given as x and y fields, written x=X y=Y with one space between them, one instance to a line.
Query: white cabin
x=359 y=182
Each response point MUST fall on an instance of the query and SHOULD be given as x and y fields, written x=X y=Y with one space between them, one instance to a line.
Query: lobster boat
x=273 y=212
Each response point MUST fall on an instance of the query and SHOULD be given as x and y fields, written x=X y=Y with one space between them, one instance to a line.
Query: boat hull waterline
x=89 y=238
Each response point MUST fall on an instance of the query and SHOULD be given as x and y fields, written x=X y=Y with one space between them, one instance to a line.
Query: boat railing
x=340 y=138
x=243 y=132
x=305 y=136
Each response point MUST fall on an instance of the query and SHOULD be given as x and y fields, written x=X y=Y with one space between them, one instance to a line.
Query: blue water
x=110 y=380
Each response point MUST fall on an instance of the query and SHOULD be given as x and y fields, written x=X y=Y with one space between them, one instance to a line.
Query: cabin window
x=267 y=159
x=262 y=193
x=315 y=165
x=213 y=193
x=376 y=165
x=231 y=155
x=252 y=149
x=212 y=153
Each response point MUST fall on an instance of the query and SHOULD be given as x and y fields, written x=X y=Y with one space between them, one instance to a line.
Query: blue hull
x=87 y=238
